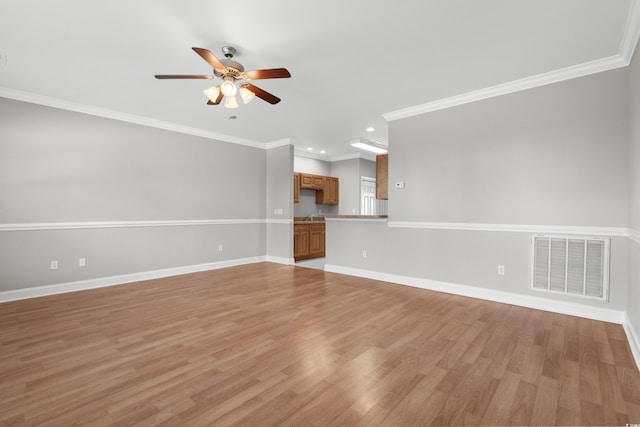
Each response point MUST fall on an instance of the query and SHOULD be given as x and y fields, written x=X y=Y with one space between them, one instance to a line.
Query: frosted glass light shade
x=228 y=87
x=230 y=102
x=212 y=93
x=246 y=95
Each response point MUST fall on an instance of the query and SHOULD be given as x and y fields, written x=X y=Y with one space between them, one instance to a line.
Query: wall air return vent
x=574 y=265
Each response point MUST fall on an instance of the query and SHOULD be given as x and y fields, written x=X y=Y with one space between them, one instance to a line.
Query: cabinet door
x=328 y=196
x=382 y=177
x=317 y=240
x=300 y=241
x=332 y=190
x=317 y=182
x=306 y=181
x=296 y=187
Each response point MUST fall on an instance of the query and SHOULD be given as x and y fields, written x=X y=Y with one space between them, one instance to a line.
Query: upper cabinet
x=326 y=187
x=311 y=182
x=329 y=195
x=382 y=177
x=296 y=187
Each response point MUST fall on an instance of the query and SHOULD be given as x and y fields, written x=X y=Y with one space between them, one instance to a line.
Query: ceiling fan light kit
x=230 y=72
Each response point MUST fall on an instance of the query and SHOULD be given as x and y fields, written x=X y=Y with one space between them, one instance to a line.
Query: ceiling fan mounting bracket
x=229 y=51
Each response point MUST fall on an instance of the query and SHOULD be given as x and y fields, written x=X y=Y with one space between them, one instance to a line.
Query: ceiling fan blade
x=260 y=93
x=272 y=73
x=210 y=58
x=218 y=99
x=182 y=76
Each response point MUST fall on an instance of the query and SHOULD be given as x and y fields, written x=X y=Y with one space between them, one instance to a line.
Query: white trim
x=279 y=221
x=279 y=143
x=516 y=228
x=40 y=291
x=633 y=338
x=580 y=70
x=280 y=260
x=129 y=224
x=596 y=313
x=634 y=235
x=631 y=31
x=124 y=117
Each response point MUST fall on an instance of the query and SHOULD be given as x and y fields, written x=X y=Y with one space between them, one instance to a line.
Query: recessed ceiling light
x=323 y=152
x=370 y=129
x=309 y=149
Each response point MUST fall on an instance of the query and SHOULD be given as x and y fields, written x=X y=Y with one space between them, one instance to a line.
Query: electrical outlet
x=54 y=265
x=3 y=59
x=364 y=254
x=501 y=270
x=82 y=262
x=219 y=248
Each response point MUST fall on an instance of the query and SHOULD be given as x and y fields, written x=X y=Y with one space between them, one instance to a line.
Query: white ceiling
x=351 y=61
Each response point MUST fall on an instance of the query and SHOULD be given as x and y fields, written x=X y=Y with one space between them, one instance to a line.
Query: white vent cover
x=574 y=265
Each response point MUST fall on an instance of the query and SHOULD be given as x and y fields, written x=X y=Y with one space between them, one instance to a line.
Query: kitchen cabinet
x=326 y=187
x=296 y=187
x=382 y=177
x=330 y=194
x=311 y=182
x=300 y=241
x=309 y=240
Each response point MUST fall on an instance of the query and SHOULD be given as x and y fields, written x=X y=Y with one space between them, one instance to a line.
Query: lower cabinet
x=309 y=240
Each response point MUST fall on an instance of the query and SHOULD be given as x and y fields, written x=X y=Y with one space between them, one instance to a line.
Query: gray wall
x=348 y=172
x=634 y=196
x=58 y=166
x=279 y=191
x=555 y=155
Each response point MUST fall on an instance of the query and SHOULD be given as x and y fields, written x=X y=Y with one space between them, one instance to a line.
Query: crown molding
x=628 y=45
x=123 y=117
x=568 y=73
x=279 y=143
x=310 y=155
x=631 y=32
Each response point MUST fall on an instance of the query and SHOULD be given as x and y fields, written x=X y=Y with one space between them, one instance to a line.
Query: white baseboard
x=634 y=340
x=41 y=291
x=280 y=260
x=528 y=301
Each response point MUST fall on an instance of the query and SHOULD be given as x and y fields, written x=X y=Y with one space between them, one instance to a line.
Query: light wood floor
x=268 y=344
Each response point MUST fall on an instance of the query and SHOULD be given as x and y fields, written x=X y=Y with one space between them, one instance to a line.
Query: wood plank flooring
x=267 y=344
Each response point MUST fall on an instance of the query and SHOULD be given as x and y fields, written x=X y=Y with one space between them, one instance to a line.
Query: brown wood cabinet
x=330 y=194
x=300 y=241
x=311 y=182
x=317 y=234
x=296 y=187
x=382 y=177
x=309 y=240
x=326 y=187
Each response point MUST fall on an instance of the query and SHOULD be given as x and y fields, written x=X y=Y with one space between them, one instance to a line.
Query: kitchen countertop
x=322 y=218
x=306 y=220
x=356 y=216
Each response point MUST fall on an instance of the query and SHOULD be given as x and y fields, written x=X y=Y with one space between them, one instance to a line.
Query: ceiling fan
x=230 y=72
